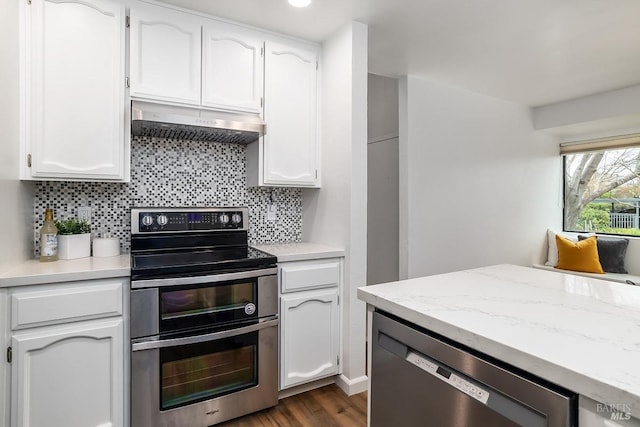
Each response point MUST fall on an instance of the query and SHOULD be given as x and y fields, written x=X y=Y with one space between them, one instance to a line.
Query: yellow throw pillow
x=578 y=256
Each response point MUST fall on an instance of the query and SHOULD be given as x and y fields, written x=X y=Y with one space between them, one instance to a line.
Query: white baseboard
x=353 y=386
x=348 y=386
x=305 y=387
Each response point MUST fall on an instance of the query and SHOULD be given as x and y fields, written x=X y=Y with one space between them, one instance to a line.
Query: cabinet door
x=290 y=110
x=309 y=336
x=4 y=367
x=232 y=69
x=69 y=376
x=75 y=75
x=165 y=55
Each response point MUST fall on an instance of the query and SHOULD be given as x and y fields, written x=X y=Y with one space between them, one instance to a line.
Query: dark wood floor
x=323 y=407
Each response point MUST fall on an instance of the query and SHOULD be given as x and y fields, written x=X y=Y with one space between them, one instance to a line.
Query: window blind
x=618 y=142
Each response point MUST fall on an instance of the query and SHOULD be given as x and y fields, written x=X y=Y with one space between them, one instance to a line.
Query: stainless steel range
x=204 y=318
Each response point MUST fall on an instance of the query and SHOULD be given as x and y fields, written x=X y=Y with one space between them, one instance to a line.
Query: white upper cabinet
x=291 y=155
x=189 y=59
x=73 y=90
x=232 y=68
x=165 y=54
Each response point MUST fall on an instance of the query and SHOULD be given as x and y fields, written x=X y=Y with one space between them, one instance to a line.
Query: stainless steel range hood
x=177 y=122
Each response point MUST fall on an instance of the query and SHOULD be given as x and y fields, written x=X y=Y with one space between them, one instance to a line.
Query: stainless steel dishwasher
x=420 y=379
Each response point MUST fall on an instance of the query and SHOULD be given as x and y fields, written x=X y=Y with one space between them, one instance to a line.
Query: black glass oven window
x=197 y=372
x=202 y=306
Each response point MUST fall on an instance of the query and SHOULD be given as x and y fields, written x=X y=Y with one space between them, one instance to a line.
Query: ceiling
x=533 y=52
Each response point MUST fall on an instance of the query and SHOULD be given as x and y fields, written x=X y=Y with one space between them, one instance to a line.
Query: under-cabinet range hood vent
x=176 y=122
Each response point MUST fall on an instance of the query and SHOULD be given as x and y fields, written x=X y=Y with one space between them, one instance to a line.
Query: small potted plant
x=74 y=239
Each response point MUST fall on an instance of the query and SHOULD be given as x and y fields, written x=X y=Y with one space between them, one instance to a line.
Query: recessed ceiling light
x=300 y=3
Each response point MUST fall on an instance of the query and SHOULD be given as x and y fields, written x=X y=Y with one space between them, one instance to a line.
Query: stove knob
x=224 y=218
x=236 y=218
x=147 y=220
x=162 y=220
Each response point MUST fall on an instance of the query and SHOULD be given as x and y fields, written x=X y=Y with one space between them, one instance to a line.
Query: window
x=602 y=186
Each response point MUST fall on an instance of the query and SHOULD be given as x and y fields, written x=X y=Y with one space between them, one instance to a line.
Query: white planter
x=72 y=246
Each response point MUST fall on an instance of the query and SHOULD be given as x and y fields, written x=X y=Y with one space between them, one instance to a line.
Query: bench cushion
x=613 y=277
x=611 y=252
x=578 y=256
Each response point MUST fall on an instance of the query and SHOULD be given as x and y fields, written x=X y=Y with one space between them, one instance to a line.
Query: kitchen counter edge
x=300 y=251
x=34 y=272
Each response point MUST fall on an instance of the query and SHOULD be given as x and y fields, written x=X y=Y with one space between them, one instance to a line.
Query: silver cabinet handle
x=175 y=342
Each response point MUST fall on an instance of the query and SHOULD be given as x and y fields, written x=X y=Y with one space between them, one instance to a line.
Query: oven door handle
x=196 y=280
x=175 y=342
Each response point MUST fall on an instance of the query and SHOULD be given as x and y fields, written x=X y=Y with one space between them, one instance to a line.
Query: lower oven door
x=198 y=381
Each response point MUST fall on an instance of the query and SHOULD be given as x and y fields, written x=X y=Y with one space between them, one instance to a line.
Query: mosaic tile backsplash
x=174 y=173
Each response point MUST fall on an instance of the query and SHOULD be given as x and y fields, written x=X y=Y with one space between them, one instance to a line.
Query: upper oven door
x=182 y=304
x=199 y=306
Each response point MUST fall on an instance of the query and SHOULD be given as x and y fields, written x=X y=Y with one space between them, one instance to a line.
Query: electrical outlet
x=84 y=213
x=271 y=212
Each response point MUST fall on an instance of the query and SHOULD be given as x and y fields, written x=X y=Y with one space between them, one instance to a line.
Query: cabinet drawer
x=297 y=276
x=63 y=303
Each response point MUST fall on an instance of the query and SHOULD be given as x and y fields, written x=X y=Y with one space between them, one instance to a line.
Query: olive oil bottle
x=48 y=238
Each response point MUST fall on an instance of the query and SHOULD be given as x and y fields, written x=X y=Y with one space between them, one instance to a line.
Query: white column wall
x=382 y=212
x=16 y=198
x=382 y=180
x=336 y=214
x=477 y=185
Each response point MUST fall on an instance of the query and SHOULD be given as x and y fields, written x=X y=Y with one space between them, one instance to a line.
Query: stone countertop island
x=577 y=332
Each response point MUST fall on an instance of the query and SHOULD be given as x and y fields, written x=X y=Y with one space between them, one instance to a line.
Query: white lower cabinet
x=68 y=376
x=67 y=354
x=4 y=367
x=309 y=320
x=310 y=336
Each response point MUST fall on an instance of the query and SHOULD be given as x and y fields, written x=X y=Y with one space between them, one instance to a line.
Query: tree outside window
x=602 y=191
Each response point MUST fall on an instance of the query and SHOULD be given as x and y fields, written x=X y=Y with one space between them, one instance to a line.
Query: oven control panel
x=155 y=220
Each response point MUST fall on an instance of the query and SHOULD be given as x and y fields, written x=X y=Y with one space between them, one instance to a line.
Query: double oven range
x=204 y=318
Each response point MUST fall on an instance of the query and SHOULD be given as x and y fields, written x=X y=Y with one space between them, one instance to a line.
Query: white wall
x=382 y=180
x=477 y=186
x=16 y=198
x=336 y=214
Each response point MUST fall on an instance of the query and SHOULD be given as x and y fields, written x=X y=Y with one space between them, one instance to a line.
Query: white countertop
x=34 y=272
x=300 y=251
x=581 y=333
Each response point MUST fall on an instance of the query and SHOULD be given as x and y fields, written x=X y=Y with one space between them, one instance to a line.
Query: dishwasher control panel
x=465 y=386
